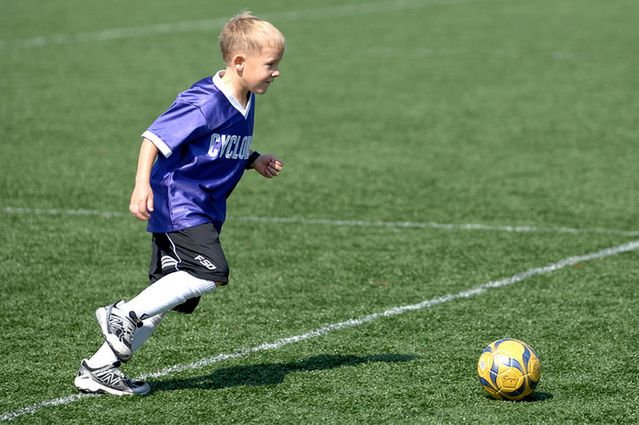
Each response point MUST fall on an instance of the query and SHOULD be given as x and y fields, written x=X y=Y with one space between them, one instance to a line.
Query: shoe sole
x=101 y=315
x=89 y=386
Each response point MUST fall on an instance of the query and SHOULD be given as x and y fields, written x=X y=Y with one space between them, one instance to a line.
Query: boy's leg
x=167 y=293
x=191 y=263
x=105 y=355
x=101 y=372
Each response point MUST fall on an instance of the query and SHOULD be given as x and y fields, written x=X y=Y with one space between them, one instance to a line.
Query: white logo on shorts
x=169 y=262
x=205 y=262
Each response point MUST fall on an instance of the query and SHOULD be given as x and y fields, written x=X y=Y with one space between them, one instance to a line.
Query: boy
x=190 y=160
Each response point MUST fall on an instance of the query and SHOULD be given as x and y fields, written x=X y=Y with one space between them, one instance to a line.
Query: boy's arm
x=141 y=204
x=267 y=165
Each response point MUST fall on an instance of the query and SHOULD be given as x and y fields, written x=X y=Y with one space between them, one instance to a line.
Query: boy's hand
x=268 y=165
x=141 y=204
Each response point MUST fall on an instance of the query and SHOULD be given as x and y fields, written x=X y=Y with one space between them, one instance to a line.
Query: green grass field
x=431 y=146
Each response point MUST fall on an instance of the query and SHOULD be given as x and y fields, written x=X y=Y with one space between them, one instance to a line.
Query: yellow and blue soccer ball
x=509 y=369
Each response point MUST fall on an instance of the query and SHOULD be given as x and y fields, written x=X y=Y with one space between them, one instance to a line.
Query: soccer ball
x=509 y=369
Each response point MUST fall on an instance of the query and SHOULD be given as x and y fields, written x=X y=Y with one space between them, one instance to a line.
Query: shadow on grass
x=537 y=396
x=272 y=373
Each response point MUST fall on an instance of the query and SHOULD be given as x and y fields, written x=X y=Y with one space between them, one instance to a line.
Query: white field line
x=214 y=24
x=342 y=223
x=395 y=311
x=442 y=226
x=509 y=53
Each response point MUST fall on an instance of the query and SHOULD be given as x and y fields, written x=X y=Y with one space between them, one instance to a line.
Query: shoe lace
x=125 y=326
x=124 y=378
x=118 y=372
x=113 y=375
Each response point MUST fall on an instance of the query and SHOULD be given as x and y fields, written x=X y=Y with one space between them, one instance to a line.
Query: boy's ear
x=238 y=62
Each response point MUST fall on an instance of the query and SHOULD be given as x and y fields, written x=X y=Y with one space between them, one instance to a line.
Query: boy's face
x=259 y=71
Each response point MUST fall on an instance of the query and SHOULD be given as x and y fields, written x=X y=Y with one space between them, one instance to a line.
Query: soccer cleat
x=108 y=379
x=118 y=327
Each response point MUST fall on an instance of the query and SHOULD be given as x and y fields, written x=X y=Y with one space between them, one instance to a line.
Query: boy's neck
x=234 y=85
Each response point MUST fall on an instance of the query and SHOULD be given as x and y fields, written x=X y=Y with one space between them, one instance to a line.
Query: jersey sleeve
x=179 y=124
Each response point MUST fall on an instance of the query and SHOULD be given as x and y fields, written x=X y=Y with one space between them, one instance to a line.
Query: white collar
x=217 y=80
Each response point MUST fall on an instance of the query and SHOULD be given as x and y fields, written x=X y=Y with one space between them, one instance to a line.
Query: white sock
x=105 y=356
x=143 y=333
x=168 y=292
x=102 y=357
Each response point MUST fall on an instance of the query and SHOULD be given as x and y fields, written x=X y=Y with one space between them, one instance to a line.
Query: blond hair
x=244 y=33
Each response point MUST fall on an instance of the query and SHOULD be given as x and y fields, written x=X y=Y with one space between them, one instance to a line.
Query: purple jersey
x=204 y=138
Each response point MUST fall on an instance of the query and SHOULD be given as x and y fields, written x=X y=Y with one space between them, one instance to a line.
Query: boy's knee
x=196 y=288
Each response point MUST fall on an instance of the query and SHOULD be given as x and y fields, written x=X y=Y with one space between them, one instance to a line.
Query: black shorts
x=196 y=250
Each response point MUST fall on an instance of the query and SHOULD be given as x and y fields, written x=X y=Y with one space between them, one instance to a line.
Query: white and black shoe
x=118 y=327
x=108 y=379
